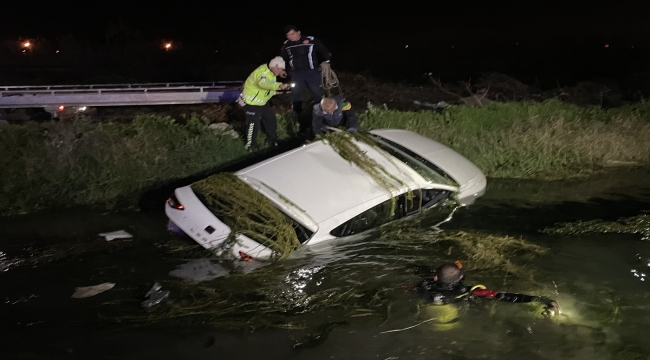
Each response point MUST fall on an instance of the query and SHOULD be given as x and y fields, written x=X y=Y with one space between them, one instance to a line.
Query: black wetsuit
x=442 y=293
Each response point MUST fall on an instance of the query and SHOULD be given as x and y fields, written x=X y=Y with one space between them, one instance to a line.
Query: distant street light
x=26 y=46
x=168 y=46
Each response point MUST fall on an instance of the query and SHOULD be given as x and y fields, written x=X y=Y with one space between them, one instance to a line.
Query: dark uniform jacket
x=305 y=54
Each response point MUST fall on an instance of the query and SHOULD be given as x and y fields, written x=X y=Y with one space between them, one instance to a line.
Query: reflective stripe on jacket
x=260 y=86
x=305 y=54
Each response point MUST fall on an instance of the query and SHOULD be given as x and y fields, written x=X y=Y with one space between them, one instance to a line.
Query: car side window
x=381 y=214
x=424 y=199
x=369 y=219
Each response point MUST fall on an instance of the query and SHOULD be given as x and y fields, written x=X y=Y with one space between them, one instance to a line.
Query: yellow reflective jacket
x=260 y=86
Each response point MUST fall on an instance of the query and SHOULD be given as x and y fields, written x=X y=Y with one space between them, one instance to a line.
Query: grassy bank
x=549 y=140
x=106 y=165
x=110 y=165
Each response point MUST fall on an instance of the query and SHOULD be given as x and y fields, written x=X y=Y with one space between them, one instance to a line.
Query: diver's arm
x=515 y=298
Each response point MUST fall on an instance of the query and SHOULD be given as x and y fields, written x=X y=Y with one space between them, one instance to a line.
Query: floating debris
x=119 y=234
x=313 y=340
x=155 y=295
x=88 y=291
x=198 y=270
x=639 y=224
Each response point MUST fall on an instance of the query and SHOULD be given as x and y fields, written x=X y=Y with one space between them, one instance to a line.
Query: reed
x=549 y=140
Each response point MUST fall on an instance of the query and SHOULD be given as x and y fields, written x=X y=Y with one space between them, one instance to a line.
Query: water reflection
x=7 y=263
x=644 y=263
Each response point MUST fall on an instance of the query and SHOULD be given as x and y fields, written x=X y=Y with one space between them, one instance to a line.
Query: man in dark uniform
x=303 y=55
x=333 y=111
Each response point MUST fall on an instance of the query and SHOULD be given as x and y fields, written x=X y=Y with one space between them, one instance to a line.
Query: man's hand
x=284 y=86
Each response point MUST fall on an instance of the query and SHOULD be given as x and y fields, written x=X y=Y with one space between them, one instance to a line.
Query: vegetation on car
x=85 y=162
x=251 y=214
x=344 y=145
x=247 y=212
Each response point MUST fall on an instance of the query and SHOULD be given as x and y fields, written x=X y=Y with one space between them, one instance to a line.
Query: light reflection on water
x=7 y=263
x=343 y=300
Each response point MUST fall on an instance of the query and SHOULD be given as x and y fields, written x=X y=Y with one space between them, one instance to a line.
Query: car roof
x=456 y=165
x=319 y=181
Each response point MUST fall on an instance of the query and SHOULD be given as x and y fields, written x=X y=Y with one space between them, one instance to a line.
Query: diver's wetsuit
x=443 y=293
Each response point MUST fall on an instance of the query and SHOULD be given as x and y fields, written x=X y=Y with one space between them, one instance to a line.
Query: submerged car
x=325 y=195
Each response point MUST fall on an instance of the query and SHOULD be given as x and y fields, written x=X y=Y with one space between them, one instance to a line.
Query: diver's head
x=449 y=273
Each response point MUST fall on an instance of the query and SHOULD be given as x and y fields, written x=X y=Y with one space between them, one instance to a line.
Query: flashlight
x=293 y=85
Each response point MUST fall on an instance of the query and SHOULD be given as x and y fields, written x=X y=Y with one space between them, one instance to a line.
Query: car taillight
x=174 y=203
x=245 y=256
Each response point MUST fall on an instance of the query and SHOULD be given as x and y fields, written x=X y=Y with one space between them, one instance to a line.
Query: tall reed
x=550 y=140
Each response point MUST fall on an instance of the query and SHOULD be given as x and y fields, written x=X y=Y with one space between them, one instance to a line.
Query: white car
x=328 y=197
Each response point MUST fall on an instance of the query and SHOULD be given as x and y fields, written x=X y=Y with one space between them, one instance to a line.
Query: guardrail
x=51 y=97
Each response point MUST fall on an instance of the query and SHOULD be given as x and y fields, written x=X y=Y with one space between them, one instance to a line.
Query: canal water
x=348 y=299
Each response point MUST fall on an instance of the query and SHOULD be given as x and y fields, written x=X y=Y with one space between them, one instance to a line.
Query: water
x=342 y=300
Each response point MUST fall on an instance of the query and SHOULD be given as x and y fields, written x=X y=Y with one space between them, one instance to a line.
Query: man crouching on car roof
x=333 y=111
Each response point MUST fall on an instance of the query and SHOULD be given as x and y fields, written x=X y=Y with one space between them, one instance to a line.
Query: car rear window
x=428 y=170
x=302 y=232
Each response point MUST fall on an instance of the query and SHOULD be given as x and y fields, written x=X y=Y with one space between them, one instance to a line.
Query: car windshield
x=426 y=169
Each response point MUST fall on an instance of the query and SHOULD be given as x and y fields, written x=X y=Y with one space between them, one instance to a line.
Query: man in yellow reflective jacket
x=259 y=87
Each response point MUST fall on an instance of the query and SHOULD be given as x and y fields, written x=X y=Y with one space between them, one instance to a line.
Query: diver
x=447 y=287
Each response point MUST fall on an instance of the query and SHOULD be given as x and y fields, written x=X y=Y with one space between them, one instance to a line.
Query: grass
x=108 y=165
x=549 y=140
x=111 y=165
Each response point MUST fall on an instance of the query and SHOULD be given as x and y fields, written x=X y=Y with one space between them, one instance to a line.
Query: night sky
x=525 y=38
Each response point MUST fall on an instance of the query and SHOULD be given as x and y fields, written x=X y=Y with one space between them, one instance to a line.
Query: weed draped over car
x=344 y=144
x=247 y=212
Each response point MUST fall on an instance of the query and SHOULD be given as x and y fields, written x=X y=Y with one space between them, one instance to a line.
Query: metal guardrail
x=53 y=96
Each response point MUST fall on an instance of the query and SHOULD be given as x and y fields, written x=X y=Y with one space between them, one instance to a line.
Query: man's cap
x=277 y=61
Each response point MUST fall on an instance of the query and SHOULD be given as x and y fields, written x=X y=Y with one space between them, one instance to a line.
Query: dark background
x=542 y=42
